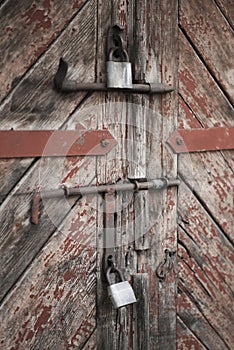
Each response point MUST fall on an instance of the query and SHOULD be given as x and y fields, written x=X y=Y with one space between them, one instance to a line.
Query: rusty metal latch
x=157 y=184
x=202 y=140
x=54 y=143
x=115 y=44
x=166 y=265
x=63 y=84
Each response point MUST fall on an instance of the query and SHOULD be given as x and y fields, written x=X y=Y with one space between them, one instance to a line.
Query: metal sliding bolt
x=62 y=84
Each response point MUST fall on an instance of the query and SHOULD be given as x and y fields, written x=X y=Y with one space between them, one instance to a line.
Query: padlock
x=121 y=293
x=119 y=72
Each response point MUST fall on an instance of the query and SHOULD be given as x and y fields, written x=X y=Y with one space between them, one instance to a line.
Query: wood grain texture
x=185 y=338
x=199 y=90
x=212 y=36
x=226 y=6
x=27 y=30
x=141 y=311
x=167 y=289
x=56 y=308
x=34 y=104
x=205 y=269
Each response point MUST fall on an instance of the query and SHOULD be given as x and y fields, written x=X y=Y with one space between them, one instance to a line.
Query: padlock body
x=121 y=294
x=119 y=75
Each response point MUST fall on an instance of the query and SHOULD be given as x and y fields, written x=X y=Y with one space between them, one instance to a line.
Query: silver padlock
x=119 y=72
x=121 y=293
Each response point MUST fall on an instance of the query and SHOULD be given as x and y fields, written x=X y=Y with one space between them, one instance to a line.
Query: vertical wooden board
x=27 y=30
x=141 y=311
x=200 y=91
x=168 y=231
x=186 y=339
x=56 y=308
x=212 y=35
x=112 y=332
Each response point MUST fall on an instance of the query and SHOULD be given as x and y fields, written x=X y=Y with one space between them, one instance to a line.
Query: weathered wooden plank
x=213 y=182
x=33 y=104
x=226 y=6
x=167 y=289
x=193 y=318
x=199 y=90
x=210 y=306
x=212 y=247
x=113 y=332
x=186 y=339
x=141 y=311
x=19 y=239
x=212 y=36
x=56 y=308
x=205 y=268
x=27 y=30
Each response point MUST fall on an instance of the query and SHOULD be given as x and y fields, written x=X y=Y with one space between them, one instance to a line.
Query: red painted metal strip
x=54 y=143
x=202 y=140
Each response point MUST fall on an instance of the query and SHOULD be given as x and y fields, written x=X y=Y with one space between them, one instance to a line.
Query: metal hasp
x=157 y=184
x=202 y=140
x=62 y=84
x=54 y=143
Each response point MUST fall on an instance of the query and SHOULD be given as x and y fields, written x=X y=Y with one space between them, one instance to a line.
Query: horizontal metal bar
x=130 y=186
x=54 y=143
x=63 y=84
x=149 y=88
x=156 y=184
x=202 y=140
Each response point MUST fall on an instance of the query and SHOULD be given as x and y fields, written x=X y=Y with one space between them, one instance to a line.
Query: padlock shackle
x=122 y=54
x=110 y=270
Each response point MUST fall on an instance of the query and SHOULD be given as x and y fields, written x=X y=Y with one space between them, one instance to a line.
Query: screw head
x=105 y=142
x=179 y=141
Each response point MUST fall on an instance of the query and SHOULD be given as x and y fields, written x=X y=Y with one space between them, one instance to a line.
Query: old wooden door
x=52 y=292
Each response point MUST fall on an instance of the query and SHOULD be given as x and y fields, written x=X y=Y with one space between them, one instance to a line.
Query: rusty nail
x=179 y=141
x=105 y=142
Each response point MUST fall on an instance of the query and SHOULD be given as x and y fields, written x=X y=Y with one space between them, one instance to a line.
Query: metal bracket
x=62 y=84
x=54 y=143
x=202 y=140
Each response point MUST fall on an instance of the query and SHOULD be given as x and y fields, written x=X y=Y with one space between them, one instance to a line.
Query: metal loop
x=123 y=55
x=115 y=271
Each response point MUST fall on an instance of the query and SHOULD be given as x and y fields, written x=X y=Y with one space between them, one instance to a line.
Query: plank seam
x=91 y=334
x=199 y=55
x=37 y=60
x=206 y=208
x=195 y=336
x=183 y=289
x=38 y=252
x=223 y=14
x=190 y=109
x=37 y=159
x=197 y=262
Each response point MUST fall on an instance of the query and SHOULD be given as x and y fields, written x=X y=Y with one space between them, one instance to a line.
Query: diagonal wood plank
x=56 y=308
x=27 y=30
x=34 y=104
x=212 y=36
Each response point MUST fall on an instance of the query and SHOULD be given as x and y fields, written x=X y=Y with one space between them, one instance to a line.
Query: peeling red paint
x=39 y=18
x=43 y=318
